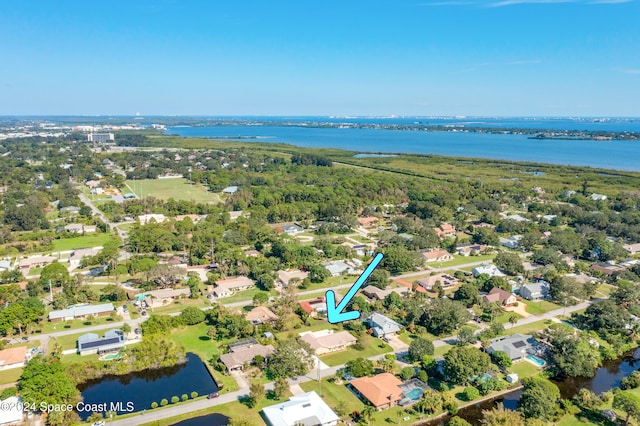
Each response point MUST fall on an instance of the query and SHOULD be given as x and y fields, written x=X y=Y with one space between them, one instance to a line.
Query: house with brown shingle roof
x=445 y=230
x=445 y=280
x=326 y=341
x=382 y=391
x=437 y=256
x=368 y=221
x=284 y=277
x=501 y=296
x=261 y=315
x=238 y=357
x=13 y=357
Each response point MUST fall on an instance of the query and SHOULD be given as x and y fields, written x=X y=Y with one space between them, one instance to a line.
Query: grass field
x=50 y=327
x=178 y=189
x=524 y=369
x=528 y=328
x=10 y=376
x=372 y=347
x=179 y=304
x=536 y=308
x=81 y=242
x=462 y=260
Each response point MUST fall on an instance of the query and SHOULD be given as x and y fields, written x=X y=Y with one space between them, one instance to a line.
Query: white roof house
x=338 y=268
x=491 y=270
x=12 y=411
x=512 y=242
x=381 y=325
x=80 y=311
x=146 y=218
x=306 y=409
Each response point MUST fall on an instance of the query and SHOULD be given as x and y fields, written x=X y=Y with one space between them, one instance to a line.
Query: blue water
x=618 y=155
x=537 y=361
x=144 y=387
x=414 y=394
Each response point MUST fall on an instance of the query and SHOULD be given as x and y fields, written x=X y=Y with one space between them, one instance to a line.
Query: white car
x=99 y=423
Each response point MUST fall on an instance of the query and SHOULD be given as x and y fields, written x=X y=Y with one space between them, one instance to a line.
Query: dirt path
x=521 y=309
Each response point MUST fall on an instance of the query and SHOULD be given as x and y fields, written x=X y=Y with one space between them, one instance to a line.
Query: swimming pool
x=535 y=360
x=414 y=394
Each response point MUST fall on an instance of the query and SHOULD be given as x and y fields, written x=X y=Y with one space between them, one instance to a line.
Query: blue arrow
x=334 y=313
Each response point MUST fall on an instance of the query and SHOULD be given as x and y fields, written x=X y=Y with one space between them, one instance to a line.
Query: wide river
x=618 y=155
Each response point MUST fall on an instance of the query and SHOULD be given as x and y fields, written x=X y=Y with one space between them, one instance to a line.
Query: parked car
x=143 y=313
x=213 y=395
x=98 y=423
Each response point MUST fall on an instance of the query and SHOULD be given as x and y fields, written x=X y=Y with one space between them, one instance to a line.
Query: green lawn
x=35 y=271
x=179 y=304
x=244 y=295
x=178 y=189
x=10 y=376
x=528 y=328
x=372 y=347
x=81 y=242
x=235 y=410
x=604 y=290
x=540 y=307
x=524 y=369
x=441 y=350
x=50 y=327
x=314 y=325
x=504 y=318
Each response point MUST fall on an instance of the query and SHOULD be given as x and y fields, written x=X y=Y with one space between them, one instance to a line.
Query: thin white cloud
x=514 y=2
x=610 y=1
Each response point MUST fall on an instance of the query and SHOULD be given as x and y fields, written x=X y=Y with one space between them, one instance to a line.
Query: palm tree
x=513 y=319
x=367 y=414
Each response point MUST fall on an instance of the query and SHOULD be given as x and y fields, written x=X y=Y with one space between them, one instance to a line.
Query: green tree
x=379 y=278
x=501 y=359
x=260 y=298
x=628 y=403
x=467 y=294
x=458 y=421
x=359 y=367
x=509 y=262
x=192 y=316
x=318 y=273
x=55 y=272
x=499 y=416
x=463 y=363
x=466 y=336
x=443 y=316
x=280 y=387
x=407 y=372
x=470 y=393
x=418 y=348
x=539 y=399
x=292 y=358
x=573 y=355
x=257 y=392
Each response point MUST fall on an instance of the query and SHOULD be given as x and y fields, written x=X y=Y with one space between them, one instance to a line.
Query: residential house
x=252 y=253
x=373 y=292
x=261 y=315
x=598 y=197
x=445 y=230
x=491 y=270
x=240 y=355
x=517 y=218
x=236 y=214
x=469 y=249
x=517 y=346
x=167 y=295
x=501 y=296
x=382 y=390
x=368 y=222
x=284 y=277
x=326 y=341
x=229 y=286
x=606 y=268
x=78 y=254
x=230 y=190
x=632 y=248
x=437 y=256
x=445 y=280
x=535 y=291
x=303 y=409
x=13 y=357
x=79 y=228
x=5 y=265
x=81 y=311
x=35 y=262
x=338 y=267
x=512 y=242
x=315 y=306
x=91 y=343
x=148 y=218
x=195 y=218
x=382 y=326
x=70 y=210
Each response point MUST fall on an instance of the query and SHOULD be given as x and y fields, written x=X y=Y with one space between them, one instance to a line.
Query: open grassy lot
x=462 y=260
x=244 y=295
x=536 y=308
x=528 y=328
x=372 y=347
x=81 y=242
x=51 y=327
x=178 y=189
x=10 y=376
x=179 y=304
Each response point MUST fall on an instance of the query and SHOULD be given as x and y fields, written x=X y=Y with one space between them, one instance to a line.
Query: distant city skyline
x=481 y=58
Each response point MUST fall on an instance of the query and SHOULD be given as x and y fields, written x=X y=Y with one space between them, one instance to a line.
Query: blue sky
x=240 y=57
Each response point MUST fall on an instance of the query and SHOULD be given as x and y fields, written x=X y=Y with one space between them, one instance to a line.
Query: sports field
x=178 y=189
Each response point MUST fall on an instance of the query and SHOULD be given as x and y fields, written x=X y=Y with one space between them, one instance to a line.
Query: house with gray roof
x=516 y=346
x=91 y=343
x=535 y=291
x=81 y=311
x=382 y=326
x=338 y=267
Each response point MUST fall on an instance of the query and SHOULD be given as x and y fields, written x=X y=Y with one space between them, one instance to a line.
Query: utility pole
x=50 y=291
